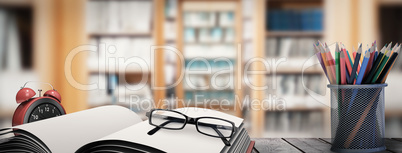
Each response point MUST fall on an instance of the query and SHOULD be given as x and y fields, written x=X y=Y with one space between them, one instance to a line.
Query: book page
x=67 y=133
x=185 y=140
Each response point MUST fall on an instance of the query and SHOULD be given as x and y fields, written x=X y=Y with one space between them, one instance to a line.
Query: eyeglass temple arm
x=202 y=124
x=225 y=141
x=215 y=126
x=156 y=129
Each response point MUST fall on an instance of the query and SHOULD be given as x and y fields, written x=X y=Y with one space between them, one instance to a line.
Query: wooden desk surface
x=311 y=145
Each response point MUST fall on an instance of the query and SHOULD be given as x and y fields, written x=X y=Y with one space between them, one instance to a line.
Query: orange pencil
x=348 y=64
x=331 y=65
x=326 y=63
x=331 y=61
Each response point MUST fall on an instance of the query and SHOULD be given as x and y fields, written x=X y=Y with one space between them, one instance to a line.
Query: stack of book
x=115 y=128
x=241 y=142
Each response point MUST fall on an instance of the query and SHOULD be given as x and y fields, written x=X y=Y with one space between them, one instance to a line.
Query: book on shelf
x=171 y=8
x=170 y=30
x=119 y=16
x=308 y=19
x=3 y=35
x=200 y=19
x=110 y=90
x=111 y=50
x=292 y=89
x=118 y=128
x=289 y=47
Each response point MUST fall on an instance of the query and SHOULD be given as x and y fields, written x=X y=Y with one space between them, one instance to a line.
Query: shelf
x=205 y=72
x=170 y=41
x=16 y=3
x=171 y=19
x=120 y=34
x=296 y=71
x=132 y=71
x=210 y=43
x=390 y=2
x=299 y=109
x=195 y=90
x=300 y=1
x=294 y=34
x=213 y=106
x=208 y=26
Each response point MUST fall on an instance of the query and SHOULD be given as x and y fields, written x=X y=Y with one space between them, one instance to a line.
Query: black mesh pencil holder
x=357 y=118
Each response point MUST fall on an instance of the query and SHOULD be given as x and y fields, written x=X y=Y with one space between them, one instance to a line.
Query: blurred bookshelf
x=17 y=64
x=208 y=30
x=120 y=29
x=391 y=11
x=290 y=30
x=251 y=27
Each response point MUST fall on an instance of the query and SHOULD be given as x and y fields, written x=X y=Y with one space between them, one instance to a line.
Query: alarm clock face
x=44 y=111
x=42 y=108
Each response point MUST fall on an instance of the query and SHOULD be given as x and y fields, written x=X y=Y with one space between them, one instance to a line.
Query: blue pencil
x=363 y=68
x=355 y=64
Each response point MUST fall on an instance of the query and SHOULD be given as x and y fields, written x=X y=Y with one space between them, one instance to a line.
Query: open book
x=119 y=129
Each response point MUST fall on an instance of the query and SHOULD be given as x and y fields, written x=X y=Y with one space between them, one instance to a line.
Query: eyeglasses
x=173 y=120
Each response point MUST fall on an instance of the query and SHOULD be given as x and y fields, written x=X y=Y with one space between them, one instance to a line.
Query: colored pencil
x=389 y=66
x=354 y=57
x=381 y=67
x=337 y=66
x=363 y=68
x=374 y=67
x=348 y=60
x=370 y=63
x=355 y=64
x=331 y=61
x=347 y=75
x=319 y=57
x=375 y=51
x=342 y=68
x=329 y=74
x=331 y=67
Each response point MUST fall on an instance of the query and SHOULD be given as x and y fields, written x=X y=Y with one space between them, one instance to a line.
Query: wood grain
x=310 y=145
x=328 y=140
x=274 y=145
x=393 y=145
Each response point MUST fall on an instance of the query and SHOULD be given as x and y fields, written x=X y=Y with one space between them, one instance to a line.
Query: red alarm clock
x=33 y=109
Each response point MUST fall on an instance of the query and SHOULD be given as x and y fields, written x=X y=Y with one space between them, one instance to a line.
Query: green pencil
x=383 y=62
x=338 y=72
x=374 y=67
x=381 y=67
